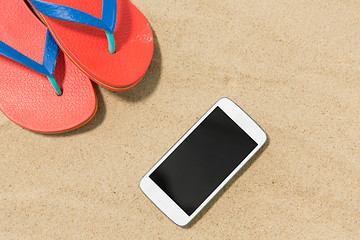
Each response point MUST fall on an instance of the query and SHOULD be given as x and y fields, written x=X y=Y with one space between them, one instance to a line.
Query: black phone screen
x=203 y=160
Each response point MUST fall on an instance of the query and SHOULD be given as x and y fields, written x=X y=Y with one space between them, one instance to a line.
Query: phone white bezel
x=163 y=201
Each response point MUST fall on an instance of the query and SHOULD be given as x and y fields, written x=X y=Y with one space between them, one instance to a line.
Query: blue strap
x=49 y=59
x=106 y=23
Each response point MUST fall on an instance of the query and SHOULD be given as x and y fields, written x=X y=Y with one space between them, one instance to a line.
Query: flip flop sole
x=27 y=97
x=87 y=46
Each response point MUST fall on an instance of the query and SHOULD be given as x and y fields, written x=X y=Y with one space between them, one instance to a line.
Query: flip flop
x=109 y=40
x=27 y=97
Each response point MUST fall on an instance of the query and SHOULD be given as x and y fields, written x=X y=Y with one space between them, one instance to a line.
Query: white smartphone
x=202 y=161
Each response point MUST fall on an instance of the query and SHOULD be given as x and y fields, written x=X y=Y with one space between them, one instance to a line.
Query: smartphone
x=202 y=161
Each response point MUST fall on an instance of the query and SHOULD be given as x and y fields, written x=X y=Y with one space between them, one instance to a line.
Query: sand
x=293 y=66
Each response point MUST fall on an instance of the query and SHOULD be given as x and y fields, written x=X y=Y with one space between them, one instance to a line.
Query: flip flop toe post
x=109 y=40
x=51 y=97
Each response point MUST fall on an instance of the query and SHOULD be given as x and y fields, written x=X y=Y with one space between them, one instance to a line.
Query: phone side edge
x=162 y=202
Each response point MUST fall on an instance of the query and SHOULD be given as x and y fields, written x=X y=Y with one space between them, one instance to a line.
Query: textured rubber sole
x=27 y=97
x=133 y=40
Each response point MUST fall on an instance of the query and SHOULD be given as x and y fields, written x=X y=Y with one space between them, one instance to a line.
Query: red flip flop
x=27 y=97
x=109 y=40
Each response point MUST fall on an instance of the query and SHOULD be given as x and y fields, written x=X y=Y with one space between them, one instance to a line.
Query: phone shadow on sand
x=228 y=185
